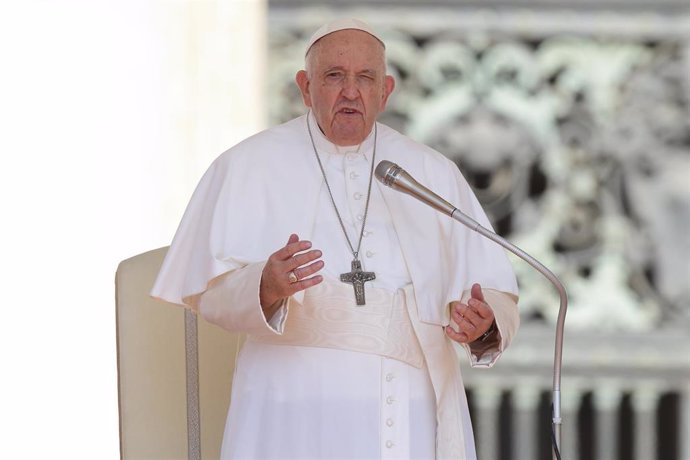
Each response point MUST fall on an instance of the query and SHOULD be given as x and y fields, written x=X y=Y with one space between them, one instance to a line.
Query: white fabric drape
x=269 y=186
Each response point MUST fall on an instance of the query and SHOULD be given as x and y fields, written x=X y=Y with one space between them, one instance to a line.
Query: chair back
x=168 y=362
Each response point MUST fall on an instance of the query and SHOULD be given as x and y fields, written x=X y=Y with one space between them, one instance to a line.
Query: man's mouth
x=348 y=111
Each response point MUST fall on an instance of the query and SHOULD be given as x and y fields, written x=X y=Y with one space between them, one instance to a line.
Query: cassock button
x=389 y=377
x=357 y=196
x=360 y=217
x=389 y=444
x=370 y=254
x=353 y=175
x=366 y=233
x=389 y=422
x=351 y=156
x=390 y=400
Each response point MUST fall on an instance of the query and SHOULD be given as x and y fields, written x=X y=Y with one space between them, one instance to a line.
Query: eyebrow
x=371 y=72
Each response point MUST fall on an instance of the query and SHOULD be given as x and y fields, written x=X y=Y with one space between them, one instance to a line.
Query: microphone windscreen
x=384 y=171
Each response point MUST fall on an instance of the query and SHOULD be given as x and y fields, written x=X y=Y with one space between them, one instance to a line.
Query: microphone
x=395 y=177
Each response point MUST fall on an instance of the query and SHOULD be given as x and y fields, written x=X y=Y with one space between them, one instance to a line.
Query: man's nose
x=350 y=88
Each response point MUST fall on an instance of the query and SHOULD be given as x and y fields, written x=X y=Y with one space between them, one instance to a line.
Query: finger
x=457 y=315
x=291 y=249
x=294 y=238
x=304 y=272
x=301 y=285
x=477 y=292
x=470 y=320
x=302 y=259
x=481 y=308
x=459 y=337
x=459 y=312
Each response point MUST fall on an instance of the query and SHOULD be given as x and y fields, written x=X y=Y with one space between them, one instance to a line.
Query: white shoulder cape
x=260 y=191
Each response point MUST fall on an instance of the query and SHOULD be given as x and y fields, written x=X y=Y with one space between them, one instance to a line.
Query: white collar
x=328 y=149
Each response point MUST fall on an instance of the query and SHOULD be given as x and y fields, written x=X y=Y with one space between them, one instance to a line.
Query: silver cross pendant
x=356 y=277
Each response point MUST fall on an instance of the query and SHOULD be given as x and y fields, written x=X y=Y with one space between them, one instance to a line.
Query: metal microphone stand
x=560 y=323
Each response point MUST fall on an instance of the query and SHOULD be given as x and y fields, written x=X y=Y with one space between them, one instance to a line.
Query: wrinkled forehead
x=347 y=46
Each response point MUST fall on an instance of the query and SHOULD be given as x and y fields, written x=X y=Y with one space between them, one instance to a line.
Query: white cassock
x=309 y=384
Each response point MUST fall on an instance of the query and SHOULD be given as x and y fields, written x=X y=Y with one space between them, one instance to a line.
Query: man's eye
x=333 y=75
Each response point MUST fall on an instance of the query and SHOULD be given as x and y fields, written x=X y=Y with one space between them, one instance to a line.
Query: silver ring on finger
x=292 y=277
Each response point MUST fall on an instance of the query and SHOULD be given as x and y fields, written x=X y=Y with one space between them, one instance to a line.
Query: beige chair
x=174 y=372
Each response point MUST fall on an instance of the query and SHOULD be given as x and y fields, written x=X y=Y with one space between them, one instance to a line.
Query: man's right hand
x=277 y=279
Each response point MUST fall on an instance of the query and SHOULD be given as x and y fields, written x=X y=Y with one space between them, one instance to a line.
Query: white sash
x=328 y=317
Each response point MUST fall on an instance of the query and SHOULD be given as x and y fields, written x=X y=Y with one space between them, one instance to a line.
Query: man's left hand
x=473 y=318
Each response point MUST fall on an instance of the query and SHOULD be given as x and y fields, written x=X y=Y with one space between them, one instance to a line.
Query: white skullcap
x=341 y=24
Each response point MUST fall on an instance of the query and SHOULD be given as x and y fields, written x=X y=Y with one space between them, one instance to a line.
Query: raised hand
x=473 y=318
x=289 y=270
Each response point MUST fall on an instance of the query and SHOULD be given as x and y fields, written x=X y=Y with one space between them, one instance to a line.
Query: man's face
x=346 y=85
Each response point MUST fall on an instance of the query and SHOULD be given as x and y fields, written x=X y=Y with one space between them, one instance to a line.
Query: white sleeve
x=232 y=302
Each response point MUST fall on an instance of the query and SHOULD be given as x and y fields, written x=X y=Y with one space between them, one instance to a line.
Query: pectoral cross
x=356 y=277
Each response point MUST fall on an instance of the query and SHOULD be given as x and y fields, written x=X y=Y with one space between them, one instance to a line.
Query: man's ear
x=302 y=81
x=388 y=87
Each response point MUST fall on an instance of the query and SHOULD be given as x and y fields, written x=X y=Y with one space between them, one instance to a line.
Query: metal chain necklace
x=356 y=276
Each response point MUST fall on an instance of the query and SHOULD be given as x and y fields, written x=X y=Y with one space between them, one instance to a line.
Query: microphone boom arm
x=560 y=323
x=398 y=179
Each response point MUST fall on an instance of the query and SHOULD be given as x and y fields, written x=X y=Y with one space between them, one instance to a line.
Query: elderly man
x=350 y=323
